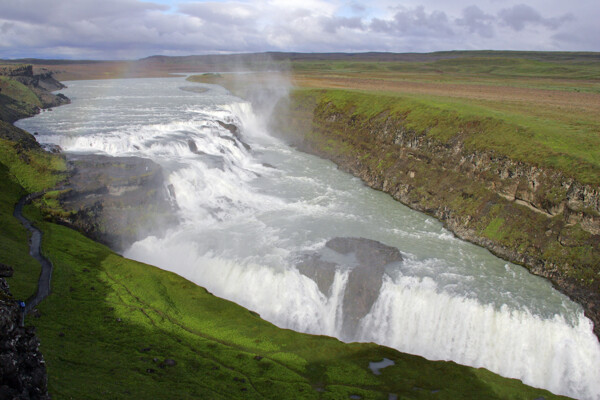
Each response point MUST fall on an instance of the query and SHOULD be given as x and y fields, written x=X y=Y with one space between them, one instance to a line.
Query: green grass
x=17 y=91
x=542 y=142
x=521 y=69
x=14 y=248
x=110 y=323
x=35 y=170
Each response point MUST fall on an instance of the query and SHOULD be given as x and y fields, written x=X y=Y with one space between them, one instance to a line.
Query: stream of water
x=246 y=214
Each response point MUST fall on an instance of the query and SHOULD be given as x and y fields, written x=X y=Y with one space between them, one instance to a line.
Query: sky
x=132 y=29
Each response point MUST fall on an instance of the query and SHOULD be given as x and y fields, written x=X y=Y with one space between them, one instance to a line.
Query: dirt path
x=35 y=242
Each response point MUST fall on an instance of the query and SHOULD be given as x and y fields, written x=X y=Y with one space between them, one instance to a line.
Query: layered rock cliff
x=40 y=82
x=537 y=217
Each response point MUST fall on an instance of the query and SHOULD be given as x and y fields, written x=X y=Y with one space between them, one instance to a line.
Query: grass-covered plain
x=543 y=111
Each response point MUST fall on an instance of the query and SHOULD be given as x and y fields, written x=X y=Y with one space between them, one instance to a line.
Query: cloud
x=414 y=22
x=332 y=25
x=521 y=15
x=477 y=21
x=221 y=13
x=136 y=28
x=34 y=11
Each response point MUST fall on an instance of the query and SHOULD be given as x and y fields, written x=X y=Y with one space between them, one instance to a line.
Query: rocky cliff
x=24 y=91
x=22 y=367
x=536 y=217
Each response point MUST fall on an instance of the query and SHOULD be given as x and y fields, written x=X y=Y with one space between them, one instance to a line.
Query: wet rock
x=210 y=160
x=319 y=270
x=230 y=127
x=192 y=146
x=235 y=131
x=52 y=148
x=365 y=261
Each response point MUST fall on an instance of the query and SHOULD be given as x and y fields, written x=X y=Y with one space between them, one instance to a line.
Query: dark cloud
x=221 y=13
x=6 y=26
x=522 y=15
x=34 y=11
x=332 y=25
x=414 y=22
x=136 y=28
x=477 y=21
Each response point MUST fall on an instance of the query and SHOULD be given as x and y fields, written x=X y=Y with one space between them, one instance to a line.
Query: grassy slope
x=23 y=171
x=110 y=323
x=18 y=91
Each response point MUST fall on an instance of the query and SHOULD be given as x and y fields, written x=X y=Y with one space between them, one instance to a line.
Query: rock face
x=22 y=368
x=115 y=200
x=366 y=261
x=41 y=82
x=532 y=216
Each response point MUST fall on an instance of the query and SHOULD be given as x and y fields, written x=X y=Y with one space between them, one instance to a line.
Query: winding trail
x=43 y=289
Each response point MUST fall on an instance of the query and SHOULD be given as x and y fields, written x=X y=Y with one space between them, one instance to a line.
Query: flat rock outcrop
x=365 y=260
x=115 y=200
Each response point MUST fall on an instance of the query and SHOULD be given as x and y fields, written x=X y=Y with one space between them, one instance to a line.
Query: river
x=248 y=212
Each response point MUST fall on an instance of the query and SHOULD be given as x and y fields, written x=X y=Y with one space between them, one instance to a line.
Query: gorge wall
x=536 y=217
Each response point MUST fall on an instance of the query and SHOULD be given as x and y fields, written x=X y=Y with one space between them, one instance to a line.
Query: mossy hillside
x=14 y=247
x=19 y=92
x=16 y=101
x=111 y=326
x=34 y=169
x=22 y=171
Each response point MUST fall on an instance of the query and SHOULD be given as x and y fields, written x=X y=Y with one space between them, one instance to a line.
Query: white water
x=243 y=224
